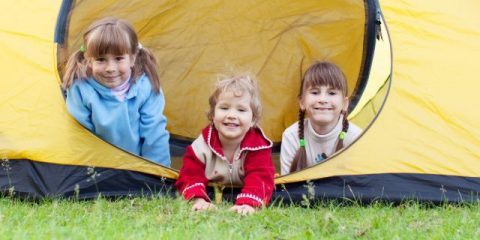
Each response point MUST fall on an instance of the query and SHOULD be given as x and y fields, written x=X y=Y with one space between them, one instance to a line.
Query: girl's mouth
x=231 y=124
x=323 y=109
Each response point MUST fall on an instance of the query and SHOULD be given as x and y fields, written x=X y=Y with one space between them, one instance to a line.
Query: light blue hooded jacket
x=136 y=125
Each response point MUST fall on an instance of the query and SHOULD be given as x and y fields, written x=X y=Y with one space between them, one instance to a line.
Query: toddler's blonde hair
x=238 y=85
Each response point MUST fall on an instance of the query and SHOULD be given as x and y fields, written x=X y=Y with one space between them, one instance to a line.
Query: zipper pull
x=230 y=168
x=378 y=23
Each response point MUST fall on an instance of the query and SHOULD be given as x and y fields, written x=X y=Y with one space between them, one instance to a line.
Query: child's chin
x=232 y=134
x=323 y=120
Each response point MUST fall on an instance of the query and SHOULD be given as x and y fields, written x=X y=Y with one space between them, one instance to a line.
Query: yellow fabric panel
x=376 y=89
x=370 y=109
x=28 y=89
x=430 y=123
x=195 y=41
x=34 y=123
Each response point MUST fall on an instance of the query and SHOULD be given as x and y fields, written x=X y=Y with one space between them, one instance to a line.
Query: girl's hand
x=243 y=209
x=199 y=204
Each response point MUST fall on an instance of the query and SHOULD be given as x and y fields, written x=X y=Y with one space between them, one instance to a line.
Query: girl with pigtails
x=323 y=127
x=113 y=89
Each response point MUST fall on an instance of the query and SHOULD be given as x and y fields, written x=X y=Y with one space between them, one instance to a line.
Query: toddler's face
x=112 y=70
x=233 y=116
x=323 y=106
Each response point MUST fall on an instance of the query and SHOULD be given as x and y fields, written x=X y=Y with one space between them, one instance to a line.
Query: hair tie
x=342 y=135
x=82 y=48
x=302 y=142
x=139 y=46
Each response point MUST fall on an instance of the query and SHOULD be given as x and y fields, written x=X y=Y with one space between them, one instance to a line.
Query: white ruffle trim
x=192 y=186
x=251 y=196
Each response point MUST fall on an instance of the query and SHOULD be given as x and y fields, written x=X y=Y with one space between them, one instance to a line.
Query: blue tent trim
x=372 y=11
x=35 y=180
x=62 y=21
x=387 y=187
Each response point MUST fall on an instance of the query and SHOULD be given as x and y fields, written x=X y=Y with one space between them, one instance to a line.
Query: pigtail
x=343 y=133
x=145 y=62
x=300 y=158
x=76 y=68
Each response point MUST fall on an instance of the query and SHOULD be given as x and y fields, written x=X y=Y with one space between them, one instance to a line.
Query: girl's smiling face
x=323 y=105
x=112 y=70
x=233 y=116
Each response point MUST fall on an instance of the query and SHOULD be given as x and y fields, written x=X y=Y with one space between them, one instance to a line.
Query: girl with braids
x=113 y=89
x=322 y=128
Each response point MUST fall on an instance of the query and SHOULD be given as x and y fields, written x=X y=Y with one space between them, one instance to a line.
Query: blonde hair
x=238 y=85
x=111 y=36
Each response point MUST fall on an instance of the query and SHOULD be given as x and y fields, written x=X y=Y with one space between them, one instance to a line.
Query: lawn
x=167 y=218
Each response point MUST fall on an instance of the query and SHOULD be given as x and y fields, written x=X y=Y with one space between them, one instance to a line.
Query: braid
x=341 y=137
x=301 y=123
x=300 y=158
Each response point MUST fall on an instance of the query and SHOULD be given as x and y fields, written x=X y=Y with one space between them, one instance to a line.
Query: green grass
x=166 y=218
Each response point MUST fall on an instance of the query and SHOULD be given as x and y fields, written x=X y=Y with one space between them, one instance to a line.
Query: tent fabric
x=378 y=84
x=196 y=42
x=425 y=126
x=387 y=187
x=424 y=143
x=34 y=122
x=36 y=180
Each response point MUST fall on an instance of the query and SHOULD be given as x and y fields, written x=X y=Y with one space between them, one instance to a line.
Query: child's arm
x=191 y=182
x=258 y=183
x=153 y=130
x=78 y=108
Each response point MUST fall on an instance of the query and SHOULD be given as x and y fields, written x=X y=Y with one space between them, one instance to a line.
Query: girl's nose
x=111 y=66
x=322 y=97
x=230 y=114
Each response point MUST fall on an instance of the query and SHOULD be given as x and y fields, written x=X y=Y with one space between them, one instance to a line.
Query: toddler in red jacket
x=232 y=150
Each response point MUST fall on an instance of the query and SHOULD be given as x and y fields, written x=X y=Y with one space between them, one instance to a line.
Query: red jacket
x=252 y=167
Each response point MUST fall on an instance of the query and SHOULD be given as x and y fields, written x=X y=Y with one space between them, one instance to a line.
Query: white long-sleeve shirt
x=315 y=144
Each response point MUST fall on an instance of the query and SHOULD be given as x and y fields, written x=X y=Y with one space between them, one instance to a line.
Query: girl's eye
x=314 y=92
x=332 y=93
x=242 y=110
x=120 y=58
x=100 y=59
x=223 y=108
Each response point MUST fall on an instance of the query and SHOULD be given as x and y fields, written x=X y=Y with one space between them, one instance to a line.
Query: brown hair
x=239 y=85
x=114 y=36
x=319 y=74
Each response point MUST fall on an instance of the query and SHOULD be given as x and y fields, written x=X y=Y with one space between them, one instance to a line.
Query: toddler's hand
x=199 y=204
x=243 y=209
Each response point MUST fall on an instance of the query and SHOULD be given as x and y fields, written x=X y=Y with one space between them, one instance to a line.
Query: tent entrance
x=195 y=41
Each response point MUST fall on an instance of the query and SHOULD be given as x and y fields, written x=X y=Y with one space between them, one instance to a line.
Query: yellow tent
x=424 y=142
